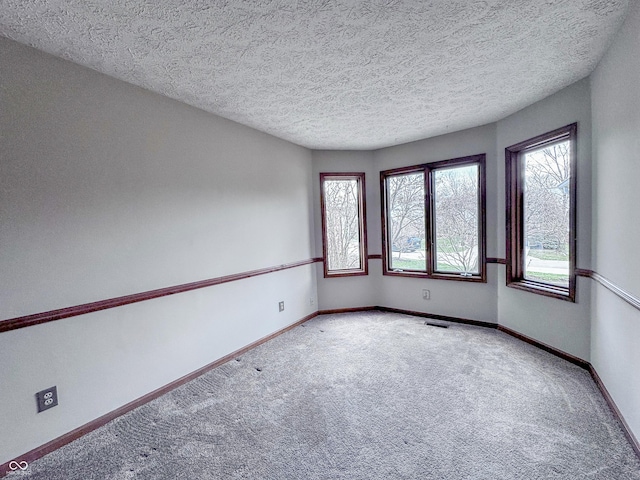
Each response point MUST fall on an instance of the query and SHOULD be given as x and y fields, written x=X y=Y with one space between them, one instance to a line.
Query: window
x=433 y=219
x=456 y=224
x=344 y=237
x=541 y=214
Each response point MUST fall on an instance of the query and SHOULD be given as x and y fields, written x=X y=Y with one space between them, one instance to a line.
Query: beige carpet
x=366 y=396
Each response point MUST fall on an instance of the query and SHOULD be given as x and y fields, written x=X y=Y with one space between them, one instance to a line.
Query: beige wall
x=358 y=291
x=399 y=292
x=561 y=324
x=406 y=293
x=615 y=325
x=108 y=190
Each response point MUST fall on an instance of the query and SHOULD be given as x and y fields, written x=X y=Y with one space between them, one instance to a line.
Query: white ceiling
x=331 y=74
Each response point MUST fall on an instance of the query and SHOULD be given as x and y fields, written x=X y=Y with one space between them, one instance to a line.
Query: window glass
x=343 y=229
x=455 y=192
x=406 y=214
x=546 y=214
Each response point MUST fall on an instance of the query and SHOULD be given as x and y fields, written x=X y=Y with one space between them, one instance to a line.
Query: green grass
x=548 y=254
x=557 y=278
x=408 y=264
x=445 y=267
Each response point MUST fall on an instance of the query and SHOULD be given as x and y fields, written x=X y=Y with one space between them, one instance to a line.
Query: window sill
x=345 y=273
x=543 y=289
x=435 y=276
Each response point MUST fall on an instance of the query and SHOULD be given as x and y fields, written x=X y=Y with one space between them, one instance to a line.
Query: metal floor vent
x=436 y=325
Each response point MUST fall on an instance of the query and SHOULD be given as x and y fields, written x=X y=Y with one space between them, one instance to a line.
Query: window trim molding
x=383 y=220
x=362 y=224
x=514 y=205
x=427 y=168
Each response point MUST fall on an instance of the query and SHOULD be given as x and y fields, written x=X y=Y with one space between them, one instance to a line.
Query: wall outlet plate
x=426 y=294
x=281 y=306
x=47 y=398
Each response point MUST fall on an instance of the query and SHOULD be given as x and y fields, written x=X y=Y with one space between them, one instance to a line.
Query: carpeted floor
x=366 y=396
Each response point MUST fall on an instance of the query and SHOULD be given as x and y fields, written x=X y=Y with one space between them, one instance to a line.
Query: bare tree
x=406 y=202
x=342 y=226
x=456 y=219
x=546 y=197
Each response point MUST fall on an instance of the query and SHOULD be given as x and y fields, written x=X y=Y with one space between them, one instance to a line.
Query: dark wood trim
x=616 y=411
x=480 y=161
x=346 y=310
x=482 y=218
x=573 y=208
x=547 y=348
x=458 y=277
x=375 y=256
x=383 y=224
x=543 y=139
x=427 y=170
x=106 y=418
x=511 y=202
x=404 y=170
x=514 y=203
x=583 y=272
x=362 y=223
x=52 y=315
x=429 y=220
x=544 y=289
x=595 y=276
x=386 y=247
x=501 y=261
x=435 y=276
x=466 y=321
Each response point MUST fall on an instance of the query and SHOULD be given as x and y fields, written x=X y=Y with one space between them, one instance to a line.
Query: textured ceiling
x=332 y=74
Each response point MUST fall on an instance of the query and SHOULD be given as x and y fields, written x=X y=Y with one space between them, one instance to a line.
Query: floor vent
x=436 y=325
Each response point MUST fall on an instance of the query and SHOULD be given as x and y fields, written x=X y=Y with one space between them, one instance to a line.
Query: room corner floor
x=368 y=395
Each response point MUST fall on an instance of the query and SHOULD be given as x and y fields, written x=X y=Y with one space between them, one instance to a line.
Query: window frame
x=429 y=206
x=362 y=224
x=514 y=188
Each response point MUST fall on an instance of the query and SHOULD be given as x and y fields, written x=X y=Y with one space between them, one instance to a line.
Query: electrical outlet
x=281 y=306
x=312 y=301
x=47 y=398
x=426 y=294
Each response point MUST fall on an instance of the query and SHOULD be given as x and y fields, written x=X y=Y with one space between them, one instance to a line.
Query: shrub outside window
x=344 y=238
x=541 y=213
x=434 y=220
